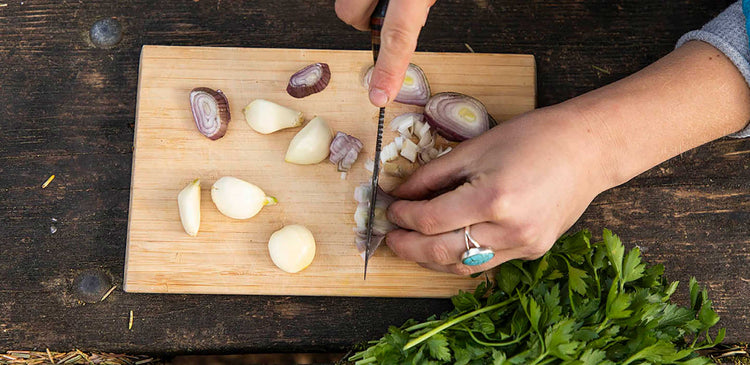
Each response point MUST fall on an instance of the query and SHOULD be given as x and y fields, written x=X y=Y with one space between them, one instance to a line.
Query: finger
x=441 y=173
x=446 y=248
x=465 y=270
x=355 y=12
x=455 y=209
x=404 y=20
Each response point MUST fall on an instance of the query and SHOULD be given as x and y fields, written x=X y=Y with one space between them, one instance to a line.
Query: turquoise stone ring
x=476 y=255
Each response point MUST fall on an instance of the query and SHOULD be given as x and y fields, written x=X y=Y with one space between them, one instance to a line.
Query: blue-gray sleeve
x=727 y=33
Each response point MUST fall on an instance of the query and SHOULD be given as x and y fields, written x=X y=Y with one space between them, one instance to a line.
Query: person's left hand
x=519 y=186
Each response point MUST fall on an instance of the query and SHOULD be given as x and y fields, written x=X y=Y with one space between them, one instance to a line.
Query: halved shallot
x=309 y=80
x=210 y=112
x=311 y=144
x=415 y=89
x=456 y=116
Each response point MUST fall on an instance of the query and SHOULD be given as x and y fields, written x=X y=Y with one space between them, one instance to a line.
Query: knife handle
x=376 y=24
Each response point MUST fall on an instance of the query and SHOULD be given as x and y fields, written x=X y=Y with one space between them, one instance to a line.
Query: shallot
x=292 y=248
x=457 y=117
x=266 y=117
x=311 y=144
x=189 y=205
x=210 y=112
x=239 y=199
x=380 y=225
x=415 y=89
x=344 y=150
x=309 y=80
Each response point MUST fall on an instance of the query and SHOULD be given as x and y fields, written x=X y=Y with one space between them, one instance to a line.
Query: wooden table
x=68 y=109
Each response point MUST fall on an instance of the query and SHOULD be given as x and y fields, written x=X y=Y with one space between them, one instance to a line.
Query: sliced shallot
x=309 y=80
x=415 y=89
x=344 y=151
x=380 y=224
x=210 y=111
x=456 y=116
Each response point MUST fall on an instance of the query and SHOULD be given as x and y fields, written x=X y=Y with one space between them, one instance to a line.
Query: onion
x=389 y=152
x=344 y=150
x=380 y=225
x=405 y=123
x=189 y=205
x=292 y=248
x=311 y=144
x=266 y=117
x=415 y=89
x=410 y=150
x=457 y=117
x=309 y=80
x=210 y=112
x=239 y=199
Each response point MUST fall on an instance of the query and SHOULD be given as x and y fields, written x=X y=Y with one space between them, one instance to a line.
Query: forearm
x=690 y=97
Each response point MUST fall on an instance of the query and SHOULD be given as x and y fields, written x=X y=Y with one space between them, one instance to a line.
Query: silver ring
x=476 y=255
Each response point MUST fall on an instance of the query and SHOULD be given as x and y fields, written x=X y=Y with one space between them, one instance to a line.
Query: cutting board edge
x=147 y=47
x=132 y=170
x=137 y=288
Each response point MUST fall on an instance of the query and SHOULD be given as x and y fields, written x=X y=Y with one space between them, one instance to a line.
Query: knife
x=376 y=24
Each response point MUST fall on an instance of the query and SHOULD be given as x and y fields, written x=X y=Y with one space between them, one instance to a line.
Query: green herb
x=581 y=303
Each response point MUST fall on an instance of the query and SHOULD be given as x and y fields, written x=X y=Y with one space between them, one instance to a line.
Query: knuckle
x=498 y=205
x=427 y=223
x=345 y=12
x=439 y=254
x=397 y=38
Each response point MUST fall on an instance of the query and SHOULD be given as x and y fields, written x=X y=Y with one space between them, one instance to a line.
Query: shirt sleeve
x=727 y=33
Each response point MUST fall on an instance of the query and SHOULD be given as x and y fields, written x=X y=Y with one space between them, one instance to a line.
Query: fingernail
x=378 y=97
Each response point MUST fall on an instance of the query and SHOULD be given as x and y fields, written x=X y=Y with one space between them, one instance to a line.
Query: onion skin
x=309 y=80
x=210 y=112
x=415 y=89
x=440 y=113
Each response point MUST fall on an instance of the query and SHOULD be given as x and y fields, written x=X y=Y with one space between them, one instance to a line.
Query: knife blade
x=376 y=24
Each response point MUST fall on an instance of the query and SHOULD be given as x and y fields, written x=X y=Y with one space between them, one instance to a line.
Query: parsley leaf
x=582 y=303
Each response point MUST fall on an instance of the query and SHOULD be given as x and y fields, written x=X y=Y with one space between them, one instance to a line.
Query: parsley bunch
x=581 y=303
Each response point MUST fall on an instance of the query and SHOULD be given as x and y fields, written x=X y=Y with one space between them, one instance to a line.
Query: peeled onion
x=189 y=205
x=311 y=144
x=292 y=248
x=266 y=117
x=239 y=199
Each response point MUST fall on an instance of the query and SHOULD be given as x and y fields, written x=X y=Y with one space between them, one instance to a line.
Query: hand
x=398 y=40
x=525 y=182
x=520 y=186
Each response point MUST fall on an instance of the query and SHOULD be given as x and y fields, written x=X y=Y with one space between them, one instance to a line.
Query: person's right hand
x=398 y=40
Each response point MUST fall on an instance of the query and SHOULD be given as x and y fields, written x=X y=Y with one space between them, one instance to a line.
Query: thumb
x=398 y=40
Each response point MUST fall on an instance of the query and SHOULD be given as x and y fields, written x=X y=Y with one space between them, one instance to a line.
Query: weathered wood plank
x=68 y=107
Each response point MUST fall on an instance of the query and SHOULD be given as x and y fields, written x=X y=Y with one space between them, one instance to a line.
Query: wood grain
x=69 y=110
x=231 y=256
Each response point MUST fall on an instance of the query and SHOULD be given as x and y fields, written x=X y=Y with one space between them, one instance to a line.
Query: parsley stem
x=421 y=325
x=455 y=321
x=368 y=360
x=495 y=344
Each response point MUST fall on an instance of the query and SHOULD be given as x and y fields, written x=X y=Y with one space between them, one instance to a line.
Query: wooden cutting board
x=231 y=256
